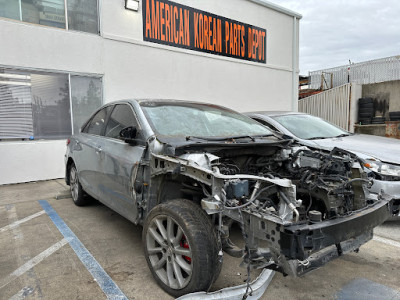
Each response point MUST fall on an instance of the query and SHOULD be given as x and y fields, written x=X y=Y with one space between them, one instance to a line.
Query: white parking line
x=33 y=262
x=386 y=241
x=17 y=223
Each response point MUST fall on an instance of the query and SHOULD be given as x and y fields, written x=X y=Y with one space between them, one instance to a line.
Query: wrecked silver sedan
x=186 y=171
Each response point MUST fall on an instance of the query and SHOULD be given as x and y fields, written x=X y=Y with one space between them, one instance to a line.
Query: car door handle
x=98 y=150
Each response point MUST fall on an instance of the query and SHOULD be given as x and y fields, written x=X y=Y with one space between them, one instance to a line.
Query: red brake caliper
x=185 y=244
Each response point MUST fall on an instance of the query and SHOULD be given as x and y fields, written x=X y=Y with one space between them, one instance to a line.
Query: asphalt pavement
x=52 y=249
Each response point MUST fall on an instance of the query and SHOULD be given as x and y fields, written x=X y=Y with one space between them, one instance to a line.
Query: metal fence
x=373 y=71
x=332 y=105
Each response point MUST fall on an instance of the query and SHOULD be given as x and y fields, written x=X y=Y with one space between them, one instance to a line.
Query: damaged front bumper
x=305 y=247
x=256 y=289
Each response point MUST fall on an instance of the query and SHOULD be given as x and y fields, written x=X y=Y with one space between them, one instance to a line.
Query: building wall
x=386 y=95
x=132 y=68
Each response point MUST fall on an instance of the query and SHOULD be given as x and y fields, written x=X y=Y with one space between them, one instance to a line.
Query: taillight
x=68 y=141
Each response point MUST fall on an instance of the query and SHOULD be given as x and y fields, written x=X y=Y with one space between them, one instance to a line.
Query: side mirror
x=128 y=134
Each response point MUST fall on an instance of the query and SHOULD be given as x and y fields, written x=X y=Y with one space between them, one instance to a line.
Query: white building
x=61 y=59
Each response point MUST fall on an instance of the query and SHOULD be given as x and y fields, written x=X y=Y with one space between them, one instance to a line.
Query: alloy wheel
x=169 y=252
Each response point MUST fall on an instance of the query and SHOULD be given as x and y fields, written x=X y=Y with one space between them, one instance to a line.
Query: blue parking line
x=105 y=282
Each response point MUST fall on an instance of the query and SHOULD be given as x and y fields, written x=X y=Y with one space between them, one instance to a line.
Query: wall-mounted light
x=132 y=5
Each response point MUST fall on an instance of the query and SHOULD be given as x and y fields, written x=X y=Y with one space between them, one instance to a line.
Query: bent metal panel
x=169 y=23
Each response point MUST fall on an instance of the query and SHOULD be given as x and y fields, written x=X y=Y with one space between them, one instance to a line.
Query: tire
x=365 y=110
x=394 y=116
x=365 y=115
x=366 y=105
x=378 y=120
x=365 y=100
x=192 y=234
x=77 y=193
x=365 y=121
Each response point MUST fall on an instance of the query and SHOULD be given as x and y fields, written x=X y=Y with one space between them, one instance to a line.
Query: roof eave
x=277 y=8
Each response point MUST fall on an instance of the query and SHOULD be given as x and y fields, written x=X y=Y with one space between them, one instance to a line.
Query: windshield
x=199 y=120
x=309 y=127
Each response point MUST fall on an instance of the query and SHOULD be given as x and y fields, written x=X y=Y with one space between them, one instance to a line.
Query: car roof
x=157 y=100
x=167 y=101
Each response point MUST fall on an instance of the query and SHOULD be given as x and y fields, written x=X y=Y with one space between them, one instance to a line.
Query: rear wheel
x=181 y=247
x=77 y=193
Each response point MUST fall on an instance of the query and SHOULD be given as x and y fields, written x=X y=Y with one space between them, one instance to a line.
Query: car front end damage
x=298 y=209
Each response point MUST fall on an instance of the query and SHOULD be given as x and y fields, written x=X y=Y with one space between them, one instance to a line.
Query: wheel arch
x=166 y=187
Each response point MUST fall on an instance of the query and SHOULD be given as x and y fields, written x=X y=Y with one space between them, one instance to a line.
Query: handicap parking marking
x=17 y=223
x=105 y=282
x=32 y=262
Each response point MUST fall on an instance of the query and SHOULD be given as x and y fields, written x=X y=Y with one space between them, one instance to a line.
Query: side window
x=97 y=123
x=121 y=117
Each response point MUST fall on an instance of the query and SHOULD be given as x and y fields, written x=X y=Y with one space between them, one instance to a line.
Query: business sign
x=173 y=24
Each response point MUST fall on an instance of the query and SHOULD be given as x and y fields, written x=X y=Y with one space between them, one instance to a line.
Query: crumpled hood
x=384 y=149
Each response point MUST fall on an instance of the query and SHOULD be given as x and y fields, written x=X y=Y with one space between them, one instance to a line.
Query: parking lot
x=51 y=249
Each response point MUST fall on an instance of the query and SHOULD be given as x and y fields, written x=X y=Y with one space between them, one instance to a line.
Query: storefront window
x=10 y=9
x=86 y=95
x=51 y=106
x=37 y=105
x=82 y=14
x=15 y=105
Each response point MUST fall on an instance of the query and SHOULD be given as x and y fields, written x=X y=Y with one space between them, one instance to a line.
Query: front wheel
x=181 y=247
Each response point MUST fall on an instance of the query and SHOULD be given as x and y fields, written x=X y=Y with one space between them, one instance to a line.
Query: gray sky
x=332 y=32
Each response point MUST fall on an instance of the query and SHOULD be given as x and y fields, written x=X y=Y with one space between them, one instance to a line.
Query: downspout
x=294 y=66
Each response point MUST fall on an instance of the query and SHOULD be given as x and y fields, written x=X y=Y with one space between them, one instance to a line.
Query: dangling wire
x=249 y=289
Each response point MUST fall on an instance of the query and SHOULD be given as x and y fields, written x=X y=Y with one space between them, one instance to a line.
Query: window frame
x=136 y=121
x=74 y=30
x=89 y=121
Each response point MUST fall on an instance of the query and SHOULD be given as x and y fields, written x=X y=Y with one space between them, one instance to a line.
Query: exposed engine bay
x=329 y=185
x=308 y=206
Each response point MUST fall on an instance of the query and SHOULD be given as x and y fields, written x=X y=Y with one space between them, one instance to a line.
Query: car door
x=121 y=162
x=89 y=157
